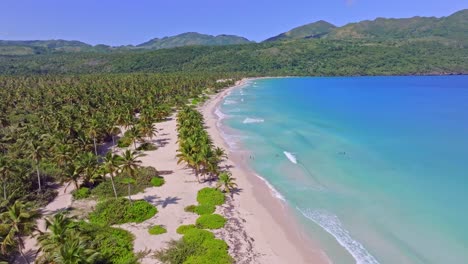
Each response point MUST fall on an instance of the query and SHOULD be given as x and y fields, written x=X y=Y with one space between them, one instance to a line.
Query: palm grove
x=62 y=129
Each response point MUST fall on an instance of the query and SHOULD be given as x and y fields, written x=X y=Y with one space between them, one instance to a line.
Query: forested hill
x=413 y=46
x=314 y=57
x=453 y=27
x=192 y=39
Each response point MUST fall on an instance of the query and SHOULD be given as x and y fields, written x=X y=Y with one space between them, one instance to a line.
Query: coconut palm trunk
x=38 y=177
x=21 y=247
x=95 y=146
x=113 y=184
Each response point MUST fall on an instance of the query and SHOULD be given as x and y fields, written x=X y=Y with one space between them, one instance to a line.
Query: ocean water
x=375 y=168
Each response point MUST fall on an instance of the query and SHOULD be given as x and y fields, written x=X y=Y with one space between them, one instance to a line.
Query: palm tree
x=75 y=250
x=37 y=153
x=63 y=154
x=226 y=182
x=58 y=227
x=134 y=135
x=111 y=165
x=87 y=166
x=148 y=129
x=71 y=174
x=6 y=171
x=129 y=165
x=114 y=131
x=19 y=220
x=94 y=132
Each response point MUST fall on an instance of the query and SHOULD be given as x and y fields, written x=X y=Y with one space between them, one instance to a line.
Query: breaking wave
x=290 y=157
x=333 y=226
x=249 y=120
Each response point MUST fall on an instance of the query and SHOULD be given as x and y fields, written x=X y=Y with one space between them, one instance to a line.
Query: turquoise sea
x=375 y=168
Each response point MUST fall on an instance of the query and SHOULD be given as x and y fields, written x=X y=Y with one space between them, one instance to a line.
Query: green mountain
x=451 y=27
x=313 y=30
x=19 y=47
x=193 y=39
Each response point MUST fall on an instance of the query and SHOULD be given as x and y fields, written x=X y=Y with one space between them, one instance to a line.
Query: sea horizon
x=313 y=145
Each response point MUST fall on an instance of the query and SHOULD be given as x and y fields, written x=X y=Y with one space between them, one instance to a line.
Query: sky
x=123 y=22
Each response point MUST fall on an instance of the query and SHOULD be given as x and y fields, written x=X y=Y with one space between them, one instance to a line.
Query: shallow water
x=375 y=166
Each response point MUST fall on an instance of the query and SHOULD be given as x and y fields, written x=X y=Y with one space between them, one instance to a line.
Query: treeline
x=57 y=129
x=311 y=57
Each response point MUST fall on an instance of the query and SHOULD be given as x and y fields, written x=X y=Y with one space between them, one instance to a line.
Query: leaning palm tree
x=111 y=165
x=94 y=132
x=226 y=182
x=129 y=165
x=37 y=153
x=70 y=174
x=7 y=169
x=19 y=220
x=134 y=135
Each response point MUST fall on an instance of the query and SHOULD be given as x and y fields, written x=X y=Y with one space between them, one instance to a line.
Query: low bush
x=177 y=252
x=211 y=221
x=81 y=193
x=114 y=244
x=190 y=208
x=157 y=230
x=157 y=181
x=146 y=146
x=184 y=228
x=210 y=196
x=120 y=211
x=124 y=142
x=197 y=236
x=204 y=209
x=196 y=247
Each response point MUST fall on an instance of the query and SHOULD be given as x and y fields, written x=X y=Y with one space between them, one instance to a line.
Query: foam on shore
x=273 y=190
x=333 y=226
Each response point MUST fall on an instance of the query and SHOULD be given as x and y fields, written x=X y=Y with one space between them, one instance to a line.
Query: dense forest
x=314 y=57
x=55 y=129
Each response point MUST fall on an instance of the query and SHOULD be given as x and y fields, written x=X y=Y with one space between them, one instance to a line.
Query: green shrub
x=211 y=196
x=204 y=209
x=124 y=142
x=120 y=211
x=190 y=208
x=157 y=230
x=81 y=193
x=196 y=247
x=114 y=244
x=177 y=252
x=184 y=228
x=197 y=236
x=211 y=221
x=140 y=211
x=157 y=181
x=146 y=146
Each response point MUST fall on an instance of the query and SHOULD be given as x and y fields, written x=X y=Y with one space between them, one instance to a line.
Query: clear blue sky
x=120 y=22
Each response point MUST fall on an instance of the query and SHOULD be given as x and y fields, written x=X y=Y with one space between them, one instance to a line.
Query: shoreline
x=258 y=208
